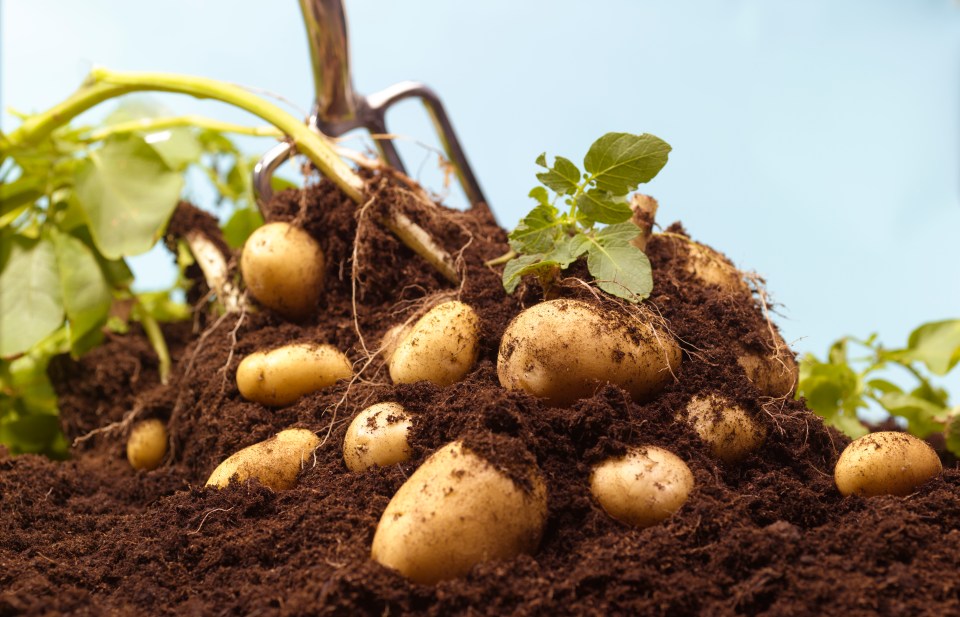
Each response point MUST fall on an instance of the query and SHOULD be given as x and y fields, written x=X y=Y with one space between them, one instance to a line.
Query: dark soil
x=767 y=536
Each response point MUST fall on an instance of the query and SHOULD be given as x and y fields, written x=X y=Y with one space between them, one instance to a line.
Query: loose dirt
x=767 y=536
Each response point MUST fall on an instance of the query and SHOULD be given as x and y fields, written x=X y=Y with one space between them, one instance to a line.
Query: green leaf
x=619 y=162
x=884 y=387
x=540 y=194
x=923 y=417
x=514 y=270
x=562 y=178
x=834 y=392
x=568 y=249
x=620 y=269
x=160 y=306
x=602 y=207
x=128 y=193
x=935 y=344
x=538 y=231
x=242 y=223
x=31 y=305
x=33 y=433
x=621 y=233
x=952 y=433
x=86 y=293
x=178 y=147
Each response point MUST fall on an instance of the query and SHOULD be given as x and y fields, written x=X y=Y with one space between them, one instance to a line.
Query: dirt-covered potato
x=147 y=444
x=772 y=376
x=885 y=463
x=275 y=462
x=283 y=268
x=280 y=376
x=562 y=350
x=377 y=436
x=726 y=427
x=391 y=339
x=712 y=268
x=441 y=347
x=643 y=487
x=456 y=511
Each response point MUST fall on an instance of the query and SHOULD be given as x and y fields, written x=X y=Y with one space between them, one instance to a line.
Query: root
x=233 y=346
x=216 y=272
x=205 y=516
x=354 y=273
x=777 y=345
x=123 y=425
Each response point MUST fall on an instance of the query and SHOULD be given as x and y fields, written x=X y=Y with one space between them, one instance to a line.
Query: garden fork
x=338 y=109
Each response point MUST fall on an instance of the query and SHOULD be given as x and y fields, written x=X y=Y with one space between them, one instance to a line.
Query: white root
x=423 y=244
x=213 y=264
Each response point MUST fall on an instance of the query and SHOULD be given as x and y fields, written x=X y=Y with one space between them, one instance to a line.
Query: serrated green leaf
x=242 y=223
x=601 y=207
x=31 y=305
x=935 y=344
x=834 y=392
x=540 y=194
x=562 y=178
x=536 y=232
x=514 y=270
x=619 y=162
x=923 y=417
x=567 y=250
x=128 y=193
x=620 y=233
x=621 y=270
x=85 y=291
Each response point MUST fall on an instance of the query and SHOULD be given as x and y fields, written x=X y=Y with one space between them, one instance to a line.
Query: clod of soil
x=769 y=535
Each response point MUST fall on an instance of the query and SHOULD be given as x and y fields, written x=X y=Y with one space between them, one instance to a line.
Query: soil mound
x=769 y=535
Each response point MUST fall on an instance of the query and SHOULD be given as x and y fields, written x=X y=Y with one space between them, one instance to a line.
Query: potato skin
x=280 y=376
x=440 y=348
x=275 y=462
x=562 y=350
x=771 y=376
x=454 y=512
x=885 y=463
x=726 y=427
x=283 y=268
x=391 y=339
x=712 y=268
x=377 y=436
x=642 y=488
x=147 y=444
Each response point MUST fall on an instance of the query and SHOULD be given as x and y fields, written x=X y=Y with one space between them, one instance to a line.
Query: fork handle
x=326 y=25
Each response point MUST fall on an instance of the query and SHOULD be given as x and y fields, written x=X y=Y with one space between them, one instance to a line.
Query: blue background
x=815 y=142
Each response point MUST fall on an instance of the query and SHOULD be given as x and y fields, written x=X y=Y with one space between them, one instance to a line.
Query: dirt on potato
x=769 y=535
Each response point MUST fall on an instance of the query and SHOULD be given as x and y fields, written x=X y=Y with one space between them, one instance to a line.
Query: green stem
x=103 y=85
x=160 y=124
x=496 y=261
x=152 y=328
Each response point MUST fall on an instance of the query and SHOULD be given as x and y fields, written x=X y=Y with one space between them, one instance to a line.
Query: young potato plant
x=839 y=386
x=588 y=214
x=73 y=206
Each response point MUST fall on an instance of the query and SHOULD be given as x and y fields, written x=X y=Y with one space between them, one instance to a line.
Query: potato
x=643 y=487
x=392 y=338
x=440 y=348
x=377 y=436
x=712 y=268
x=283 y=268
x=147 y=444
x=775 y=377
x=454 y=512
x=562 y=350
x=280 y=376
x=886 y=463
x=726 y=427
x=275 y=462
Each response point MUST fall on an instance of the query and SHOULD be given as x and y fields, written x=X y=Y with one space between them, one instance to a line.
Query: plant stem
x=159 y=344
x=496 y=261
x=160 y=124
x=103 y=85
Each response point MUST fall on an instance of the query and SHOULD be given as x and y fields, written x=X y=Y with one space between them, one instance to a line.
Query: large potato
x=275 y=462
x=280 y=376
x=283 y=267
x=392 y=338
x=147 y=444
x=885 y=463
x=441 y=347
x=454 y=512
x=377 y=436
x=772 y=376
x=726 y=427
x=643 y=487
x=562 y=350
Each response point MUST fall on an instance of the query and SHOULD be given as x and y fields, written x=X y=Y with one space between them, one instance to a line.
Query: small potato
x=454 y=512
x=440 y=348
x=275 y=462
x=147 y=444
x=377 y=436
x=642 y=488
x=563 y=350
x=712 y=268
x=886 y=463
x=726 y=427
x=392 y=338
x=283 y=268
x=280 y=376
x=775 y=377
